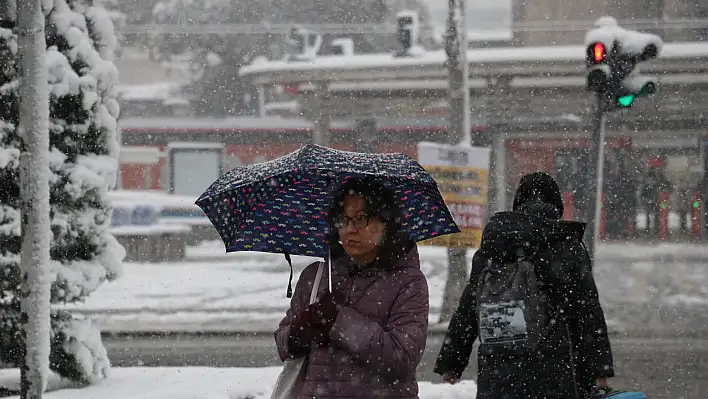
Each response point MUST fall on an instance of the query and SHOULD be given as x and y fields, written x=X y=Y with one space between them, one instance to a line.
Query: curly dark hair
x=380 y=203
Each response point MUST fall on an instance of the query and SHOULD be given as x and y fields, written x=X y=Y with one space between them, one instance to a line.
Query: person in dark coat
x=576 y=357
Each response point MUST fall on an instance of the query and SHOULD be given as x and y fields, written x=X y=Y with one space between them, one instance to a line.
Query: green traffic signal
x=626 y=101
x=647 y=89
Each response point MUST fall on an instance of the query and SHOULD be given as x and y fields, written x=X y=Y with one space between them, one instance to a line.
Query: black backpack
x=513 y=305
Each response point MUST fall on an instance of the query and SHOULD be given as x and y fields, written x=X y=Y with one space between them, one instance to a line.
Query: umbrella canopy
x=281 y=206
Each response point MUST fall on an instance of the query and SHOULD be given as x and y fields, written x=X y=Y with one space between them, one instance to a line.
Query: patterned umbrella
x=281 y=206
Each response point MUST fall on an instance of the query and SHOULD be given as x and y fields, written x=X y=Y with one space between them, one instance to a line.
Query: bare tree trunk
x=34 y=190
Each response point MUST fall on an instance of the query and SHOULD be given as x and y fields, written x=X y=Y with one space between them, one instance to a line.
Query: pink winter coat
x=378 y=338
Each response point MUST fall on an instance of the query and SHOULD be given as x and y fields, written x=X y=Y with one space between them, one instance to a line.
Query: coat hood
x=509 y=235
x=540 y=188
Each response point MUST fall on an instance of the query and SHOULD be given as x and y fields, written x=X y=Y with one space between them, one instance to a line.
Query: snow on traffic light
x=612 y=55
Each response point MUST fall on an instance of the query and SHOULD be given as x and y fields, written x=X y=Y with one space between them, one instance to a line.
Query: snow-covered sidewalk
x=245 y=292
x=199 y=383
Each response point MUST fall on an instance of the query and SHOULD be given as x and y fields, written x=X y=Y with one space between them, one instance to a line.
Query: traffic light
x=303 y=44
x=598 y=69
x=632 y=87
x=626 y=100
x=408 y=31
x=343 y=46
x=612 y=55
x=597 y=53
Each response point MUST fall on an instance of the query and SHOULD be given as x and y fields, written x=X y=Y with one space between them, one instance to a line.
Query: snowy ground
x=241 y=292
x=199 y=383
x=245 y=292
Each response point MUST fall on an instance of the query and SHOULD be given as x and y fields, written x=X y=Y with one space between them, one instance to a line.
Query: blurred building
x=544 y=22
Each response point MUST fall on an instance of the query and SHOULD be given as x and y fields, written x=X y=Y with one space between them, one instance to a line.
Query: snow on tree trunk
x=34 y=129
x=83 y=151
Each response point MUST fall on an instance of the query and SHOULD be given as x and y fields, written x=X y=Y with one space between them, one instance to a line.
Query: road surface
x=662 y=368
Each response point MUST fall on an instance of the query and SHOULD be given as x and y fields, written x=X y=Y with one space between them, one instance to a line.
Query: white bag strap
x=316 y=285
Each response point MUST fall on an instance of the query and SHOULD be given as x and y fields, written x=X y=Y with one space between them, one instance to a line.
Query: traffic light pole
x=612 y=54
x=596 y=162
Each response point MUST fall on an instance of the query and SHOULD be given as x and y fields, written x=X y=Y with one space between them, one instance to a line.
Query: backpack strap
x=554 y=302
x=483 y=278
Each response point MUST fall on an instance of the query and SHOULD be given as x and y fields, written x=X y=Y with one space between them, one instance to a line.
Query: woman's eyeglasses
x=358 y=222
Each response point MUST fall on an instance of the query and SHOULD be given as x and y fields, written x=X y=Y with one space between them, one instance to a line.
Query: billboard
x=462 y=175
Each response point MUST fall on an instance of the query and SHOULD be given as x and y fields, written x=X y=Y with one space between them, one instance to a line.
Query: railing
x=386 y=29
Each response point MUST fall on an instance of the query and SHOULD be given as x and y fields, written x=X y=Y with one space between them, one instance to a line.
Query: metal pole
x=365 y=130
x=463 y=70
x=498 y=184
x=458 y=77
x=596 y=156
x=320 y=116
x=261 y=101
x=498 y=115
x=458 y=134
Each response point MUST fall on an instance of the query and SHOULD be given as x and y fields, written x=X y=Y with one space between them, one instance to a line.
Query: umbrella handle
x=329 y=265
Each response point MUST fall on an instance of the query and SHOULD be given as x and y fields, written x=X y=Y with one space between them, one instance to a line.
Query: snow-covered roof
x=156 y=91
x=291 y=106
x=139 y=155
x=195 y=146
x=517 y=82
x=238 y=123
x=148 y=197
x=275 y=124
x=431 y=63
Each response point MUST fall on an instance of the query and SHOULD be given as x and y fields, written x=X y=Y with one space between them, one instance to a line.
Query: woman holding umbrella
x=366 y=337
x=363 y=334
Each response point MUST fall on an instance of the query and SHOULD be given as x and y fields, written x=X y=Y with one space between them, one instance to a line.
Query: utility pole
x=498 y=114
x=366 y=131
x=34 y=191
x=458 y=134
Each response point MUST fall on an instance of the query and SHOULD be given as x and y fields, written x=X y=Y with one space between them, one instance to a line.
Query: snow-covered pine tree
x=83 y=164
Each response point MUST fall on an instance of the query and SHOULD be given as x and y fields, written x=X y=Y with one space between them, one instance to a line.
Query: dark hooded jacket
x=577 y=348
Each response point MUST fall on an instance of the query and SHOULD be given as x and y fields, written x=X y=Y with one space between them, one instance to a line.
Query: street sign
x=462 y=175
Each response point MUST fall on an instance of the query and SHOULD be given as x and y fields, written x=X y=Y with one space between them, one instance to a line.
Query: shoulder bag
x=292 y=377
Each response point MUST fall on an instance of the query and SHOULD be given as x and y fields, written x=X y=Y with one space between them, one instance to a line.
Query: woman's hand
x=313 y=323
x=306 y=327
x=330 y=304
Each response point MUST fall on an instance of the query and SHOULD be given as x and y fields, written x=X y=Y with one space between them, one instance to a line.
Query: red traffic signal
x=596 y=53
x=599 y=52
